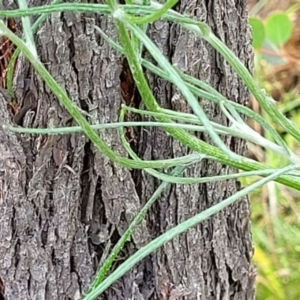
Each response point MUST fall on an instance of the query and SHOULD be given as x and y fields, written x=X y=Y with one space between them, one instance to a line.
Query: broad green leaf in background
x=278 y=28
x=258 y=32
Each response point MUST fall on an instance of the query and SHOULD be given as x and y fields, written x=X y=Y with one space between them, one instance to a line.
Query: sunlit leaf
x=278 y=28
x=258 y=32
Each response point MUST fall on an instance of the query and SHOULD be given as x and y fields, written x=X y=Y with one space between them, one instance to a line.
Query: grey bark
x=63 y=207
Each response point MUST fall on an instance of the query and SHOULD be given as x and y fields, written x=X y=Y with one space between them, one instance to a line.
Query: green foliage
x=131 y=24
x=258 y=32
x=276 y=209
x=277 y=252
x=278 y=28
x=269 y=35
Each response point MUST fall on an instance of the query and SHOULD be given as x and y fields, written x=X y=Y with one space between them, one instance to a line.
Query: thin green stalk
x=198 y=110
x=172 y=233
x=196 y=145
x=209 y=93
x=66 y=130
x=11 y=64
x=185 y=180
x=265 y=101
x=27 y=29
x=161 y=176
x=155 y=15
x=147 y=95
x=118 y=247
x=75 y=113
x=62 y=7
x=202 y=30
x=150 y=102
x=188 y=95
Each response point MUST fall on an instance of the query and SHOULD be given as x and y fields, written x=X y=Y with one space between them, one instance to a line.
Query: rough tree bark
x=64 y=205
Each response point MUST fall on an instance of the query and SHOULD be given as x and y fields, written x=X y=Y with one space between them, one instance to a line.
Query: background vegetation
x=276 y=208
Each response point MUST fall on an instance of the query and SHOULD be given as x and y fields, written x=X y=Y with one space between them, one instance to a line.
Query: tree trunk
x=64 y=205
